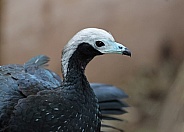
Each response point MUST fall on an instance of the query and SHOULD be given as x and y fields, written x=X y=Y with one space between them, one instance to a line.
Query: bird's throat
x=76 y=64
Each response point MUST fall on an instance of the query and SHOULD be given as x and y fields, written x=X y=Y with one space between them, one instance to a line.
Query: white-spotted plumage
x=56 y=108
x=59 y=127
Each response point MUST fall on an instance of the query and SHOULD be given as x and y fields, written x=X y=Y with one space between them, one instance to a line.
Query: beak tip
x=127 y=52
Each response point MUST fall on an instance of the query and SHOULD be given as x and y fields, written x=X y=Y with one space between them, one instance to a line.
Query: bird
x=108 y=96
x=33 y=98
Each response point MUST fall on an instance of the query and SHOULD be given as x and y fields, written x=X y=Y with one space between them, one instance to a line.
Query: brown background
x=152 y=30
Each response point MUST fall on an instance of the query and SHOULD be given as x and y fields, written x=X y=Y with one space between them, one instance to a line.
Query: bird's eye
x=99 y=43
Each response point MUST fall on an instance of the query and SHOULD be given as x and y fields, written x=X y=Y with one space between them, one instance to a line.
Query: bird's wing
x=19 y=81
x=39 y=61
x=36 y=67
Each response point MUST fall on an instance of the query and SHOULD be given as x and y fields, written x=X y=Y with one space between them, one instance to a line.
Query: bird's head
x=90 y=42
x=99 y=39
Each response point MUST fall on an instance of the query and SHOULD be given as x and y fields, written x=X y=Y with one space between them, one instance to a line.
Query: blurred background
x=153 y=30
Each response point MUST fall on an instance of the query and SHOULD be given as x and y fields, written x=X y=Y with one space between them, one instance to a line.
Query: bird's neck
x=75 y=74
x=76 y=67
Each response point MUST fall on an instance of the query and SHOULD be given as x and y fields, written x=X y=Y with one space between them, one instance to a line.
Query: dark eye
x=99 y=43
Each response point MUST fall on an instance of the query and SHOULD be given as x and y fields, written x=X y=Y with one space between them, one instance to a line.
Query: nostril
x=120 y=47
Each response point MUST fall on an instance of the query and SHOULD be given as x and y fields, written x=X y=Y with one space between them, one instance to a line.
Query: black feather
x=111 y=118
x=108 y=126
x=40 y=60
x=104 y=92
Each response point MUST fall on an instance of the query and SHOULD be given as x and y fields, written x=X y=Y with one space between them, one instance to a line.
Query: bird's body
x=44 y=112
x=34 y=91
x=35 y=99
